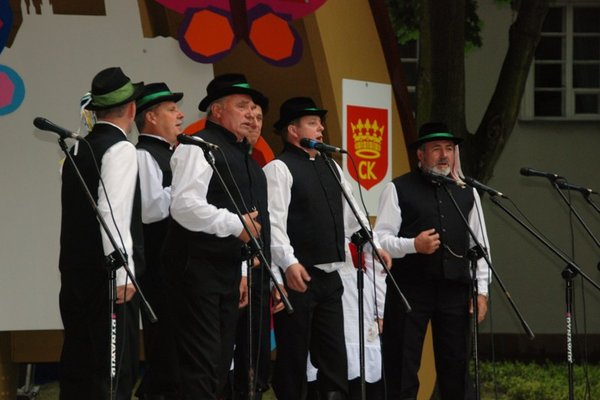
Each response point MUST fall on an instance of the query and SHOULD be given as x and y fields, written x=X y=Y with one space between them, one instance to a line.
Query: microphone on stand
x=320 y=146
x=567 y=186
x=442 y=178
x=533 y=172
x=195 y=140
x=46 y=125
x=478 y=185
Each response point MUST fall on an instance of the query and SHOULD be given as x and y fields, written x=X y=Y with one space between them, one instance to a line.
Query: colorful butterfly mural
x=212 y=28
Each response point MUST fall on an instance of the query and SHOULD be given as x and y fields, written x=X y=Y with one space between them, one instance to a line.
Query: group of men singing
x=194 y=220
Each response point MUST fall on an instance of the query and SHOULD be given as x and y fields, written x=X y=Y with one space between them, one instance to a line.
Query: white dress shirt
x=115 y=199
x=189 y=207
x=156 y=199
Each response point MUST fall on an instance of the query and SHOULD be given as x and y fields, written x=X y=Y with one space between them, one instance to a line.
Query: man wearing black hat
x=419 y=226
x=310 y=223
x=203 y=251
x=158 y=119
x=109 y=168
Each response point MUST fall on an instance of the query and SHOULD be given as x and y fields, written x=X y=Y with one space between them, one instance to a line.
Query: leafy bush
x=547 y=381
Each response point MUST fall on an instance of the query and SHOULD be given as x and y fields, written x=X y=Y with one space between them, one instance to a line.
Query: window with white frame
x=564 y=83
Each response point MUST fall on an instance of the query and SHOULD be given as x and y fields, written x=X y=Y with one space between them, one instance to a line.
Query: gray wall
x=530 y=272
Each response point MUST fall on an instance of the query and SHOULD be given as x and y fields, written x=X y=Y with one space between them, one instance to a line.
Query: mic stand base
x=474 y=254
x=359 y=240
x=568 y=274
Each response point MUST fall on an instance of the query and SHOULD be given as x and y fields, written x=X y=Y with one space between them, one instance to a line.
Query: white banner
x=367 y=136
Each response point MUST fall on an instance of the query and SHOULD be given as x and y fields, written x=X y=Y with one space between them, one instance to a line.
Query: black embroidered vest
x=425 y=205
x=315 y=216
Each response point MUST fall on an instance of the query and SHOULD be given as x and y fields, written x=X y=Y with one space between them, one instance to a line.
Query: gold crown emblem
x=367 y=138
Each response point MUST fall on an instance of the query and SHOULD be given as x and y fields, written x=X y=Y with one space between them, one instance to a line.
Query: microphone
x=322 y=147
x=533 y=172
x=442 y=178
x=478 y=185
x=567 y=186
x=187 y=139
x=45 y=125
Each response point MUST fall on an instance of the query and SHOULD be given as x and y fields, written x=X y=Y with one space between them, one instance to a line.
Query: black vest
x=154 y=233
x=80 y=238
x=425 y=205
x=161 y=152
x=315 y=223
x=247 y=176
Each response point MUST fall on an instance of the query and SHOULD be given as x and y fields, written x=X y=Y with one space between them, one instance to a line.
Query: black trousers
x=317 y=324
x=373 y=391
x=204 y=297
x=444 y=303
x=85 y=358
x=162 y=366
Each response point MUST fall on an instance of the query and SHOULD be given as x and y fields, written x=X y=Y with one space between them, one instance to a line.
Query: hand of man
x=481 y=307
x=125 y=293
x=243 y=292
x=427 y=242
x=277 y=303
x=253 y=226
x=296 y=276
x=385 y=256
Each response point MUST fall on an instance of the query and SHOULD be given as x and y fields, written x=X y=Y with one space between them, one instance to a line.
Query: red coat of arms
x=367 y=143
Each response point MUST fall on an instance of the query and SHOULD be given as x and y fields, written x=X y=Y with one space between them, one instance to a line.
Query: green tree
x=445 y=29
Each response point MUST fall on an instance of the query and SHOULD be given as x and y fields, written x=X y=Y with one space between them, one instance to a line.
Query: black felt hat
x=154 y=93
x=112 y=88
x=431 y=131
x=295 y=108
x=228 y=84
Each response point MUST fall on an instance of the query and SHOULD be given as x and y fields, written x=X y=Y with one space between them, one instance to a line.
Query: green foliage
x=404 y=15
x=548 y=381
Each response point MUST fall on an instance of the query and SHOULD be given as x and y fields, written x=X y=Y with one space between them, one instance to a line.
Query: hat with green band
x=228 y=84
x=432 y=131
x=155 y=93
x=112 y=88
x=294 y=108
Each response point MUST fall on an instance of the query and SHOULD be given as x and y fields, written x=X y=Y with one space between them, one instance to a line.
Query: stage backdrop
x=56 y=57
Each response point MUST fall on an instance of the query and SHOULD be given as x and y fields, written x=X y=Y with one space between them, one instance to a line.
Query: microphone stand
x=594 y=205
x=359 y=239
x=474 y=254
x=480 y=250
x=572 y=210
x=115 y=260
x=568 y=274
x=251 y=382
x=368 y=237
